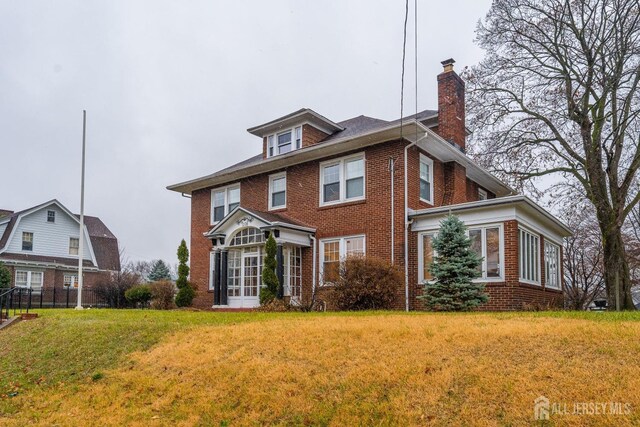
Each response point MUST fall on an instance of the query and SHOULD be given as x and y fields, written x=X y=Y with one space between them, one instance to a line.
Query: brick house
x=40 y=247
x=366 y=186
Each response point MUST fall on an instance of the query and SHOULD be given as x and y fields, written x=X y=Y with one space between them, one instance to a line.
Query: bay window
x=342 y=180
x=529 y=257
x=223 y=201
x=333 y=251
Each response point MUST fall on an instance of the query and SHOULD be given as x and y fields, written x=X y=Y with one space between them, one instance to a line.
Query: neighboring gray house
x=40 y=247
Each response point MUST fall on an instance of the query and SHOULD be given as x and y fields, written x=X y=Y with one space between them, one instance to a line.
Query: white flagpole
x=81 y=240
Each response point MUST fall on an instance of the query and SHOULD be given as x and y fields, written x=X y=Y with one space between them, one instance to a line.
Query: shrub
x=366 y=284
x=454 y=267
x=5 y=277
x=162 y=294
x=139 y=296
x=112 y=287
x=270 y=283
x=185 y=295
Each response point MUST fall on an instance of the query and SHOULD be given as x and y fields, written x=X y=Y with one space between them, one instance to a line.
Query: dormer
x=294 y=131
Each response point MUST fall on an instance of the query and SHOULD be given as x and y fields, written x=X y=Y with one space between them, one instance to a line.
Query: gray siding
x=49 y=239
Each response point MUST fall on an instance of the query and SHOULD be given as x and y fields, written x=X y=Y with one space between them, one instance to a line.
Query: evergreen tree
x=5 y=277
x=184 y=297
x=269 y=289
x=454 y=267
x=159 y=271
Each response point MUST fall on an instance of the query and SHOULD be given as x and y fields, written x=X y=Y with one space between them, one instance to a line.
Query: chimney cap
x=448 y=64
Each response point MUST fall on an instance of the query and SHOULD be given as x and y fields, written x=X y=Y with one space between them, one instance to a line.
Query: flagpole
x=81 y=239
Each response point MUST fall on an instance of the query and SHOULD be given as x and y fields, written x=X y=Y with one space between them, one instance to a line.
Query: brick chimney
x=451 y=119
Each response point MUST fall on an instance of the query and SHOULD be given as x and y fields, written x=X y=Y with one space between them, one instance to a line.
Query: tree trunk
x=616 y=270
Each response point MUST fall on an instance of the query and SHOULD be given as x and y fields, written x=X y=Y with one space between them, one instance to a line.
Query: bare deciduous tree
x=582 y=260
x=557 y=94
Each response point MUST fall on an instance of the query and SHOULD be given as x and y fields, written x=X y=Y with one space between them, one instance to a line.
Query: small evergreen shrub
x=159 y=271
x=5 y=277
x=162 y=294
x=186 y=293
x=366 y=283
x=269 y=289
x=454 y=267
x=139 y=296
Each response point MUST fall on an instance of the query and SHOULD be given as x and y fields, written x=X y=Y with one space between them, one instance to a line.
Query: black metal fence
x=9 y=305
x=24 y=298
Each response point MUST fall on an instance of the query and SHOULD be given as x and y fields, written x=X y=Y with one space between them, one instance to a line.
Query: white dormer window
x=284 y=142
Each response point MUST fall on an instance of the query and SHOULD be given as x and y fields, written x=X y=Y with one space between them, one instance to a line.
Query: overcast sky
x=170 y=88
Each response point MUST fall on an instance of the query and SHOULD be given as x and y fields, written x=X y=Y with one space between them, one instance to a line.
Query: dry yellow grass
x=424 y=369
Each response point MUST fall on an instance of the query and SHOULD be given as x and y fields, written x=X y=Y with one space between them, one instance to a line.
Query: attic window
x=284 y=142
x=51 y=216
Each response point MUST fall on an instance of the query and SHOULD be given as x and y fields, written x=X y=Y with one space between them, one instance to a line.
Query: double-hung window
x=70 y=281
x=284 y=142
x=529 y=262
x=74 y=245
x=482 y=194
x=223 y=201
x=29 y=279
x=342 y=180
x=333 y=251
x=486 y=241
x=27 y=241
x=426 y=179
x=51 y=216
x=552 y=265
x=278 y=191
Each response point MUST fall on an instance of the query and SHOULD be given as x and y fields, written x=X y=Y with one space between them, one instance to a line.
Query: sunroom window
x=529 y=244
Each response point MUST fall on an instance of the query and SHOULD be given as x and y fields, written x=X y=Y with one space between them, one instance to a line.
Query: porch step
x=8 y=322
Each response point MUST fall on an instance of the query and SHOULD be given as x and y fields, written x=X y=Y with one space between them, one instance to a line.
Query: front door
x=244 y=278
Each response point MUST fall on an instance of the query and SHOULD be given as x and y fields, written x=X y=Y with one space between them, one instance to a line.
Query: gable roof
x=103 y=245
x=269 y=218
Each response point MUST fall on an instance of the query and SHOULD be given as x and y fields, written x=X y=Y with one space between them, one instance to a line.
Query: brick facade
x=372 y=217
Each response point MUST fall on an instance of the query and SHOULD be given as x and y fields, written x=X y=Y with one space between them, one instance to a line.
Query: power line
x=404 y=51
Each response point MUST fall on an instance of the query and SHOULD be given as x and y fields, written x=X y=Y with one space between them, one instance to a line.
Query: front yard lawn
x=143 y=367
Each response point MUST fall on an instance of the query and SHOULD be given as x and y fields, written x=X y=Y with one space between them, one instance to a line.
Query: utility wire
x=404 y=52
x=415 y=24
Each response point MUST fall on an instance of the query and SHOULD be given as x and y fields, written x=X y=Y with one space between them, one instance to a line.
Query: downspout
x=392 y=170
x=407 y=223
x=313 y=268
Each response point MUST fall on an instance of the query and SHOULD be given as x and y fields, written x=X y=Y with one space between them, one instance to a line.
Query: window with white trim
x=29 y=279
x=293 y=272
x=74 y=245
x=426 y=179
x=342 y=180
x=27 y=241
x=529 y=257
x=51 y=216
x=223 y=201
x=284 y=142
x=425 y=254
x=333 y=251
x=70 y=281
x=486 y=241
x=552 y=265
x=482 y=194
x=278 y=191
